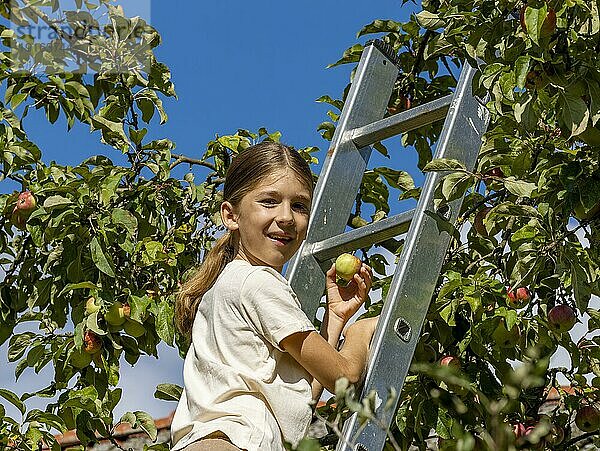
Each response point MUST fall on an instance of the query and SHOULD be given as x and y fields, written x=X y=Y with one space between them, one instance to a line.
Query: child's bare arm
x=324 y=362
x=342 y=304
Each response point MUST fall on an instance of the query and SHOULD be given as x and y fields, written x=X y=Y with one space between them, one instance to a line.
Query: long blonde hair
x=247 y=170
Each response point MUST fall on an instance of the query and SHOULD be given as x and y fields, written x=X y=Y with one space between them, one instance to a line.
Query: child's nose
x=285 y=214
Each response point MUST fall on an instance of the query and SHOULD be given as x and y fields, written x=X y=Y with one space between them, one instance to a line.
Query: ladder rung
x=365 y=236
x=402 y=122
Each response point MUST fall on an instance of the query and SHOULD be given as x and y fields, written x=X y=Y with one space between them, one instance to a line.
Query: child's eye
x=301 y=207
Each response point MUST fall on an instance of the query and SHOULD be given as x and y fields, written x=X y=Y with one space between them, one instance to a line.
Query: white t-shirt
x=236 y=377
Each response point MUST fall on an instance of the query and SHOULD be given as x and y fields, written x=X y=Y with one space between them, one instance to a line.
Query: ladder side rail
x=417 y=272
x=342 y=172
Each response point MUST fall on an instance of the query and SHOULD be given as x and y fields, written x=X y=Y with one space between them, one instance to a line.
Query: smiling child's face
x=271 y=220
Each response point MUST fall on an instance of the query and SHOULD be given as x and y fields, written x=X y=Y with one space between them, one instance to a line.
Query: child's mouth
x=280 y=240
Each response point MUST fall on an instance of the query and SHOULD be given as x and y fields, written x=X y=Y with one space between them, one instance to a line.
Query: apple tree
x=523 y=264
x=92 y=252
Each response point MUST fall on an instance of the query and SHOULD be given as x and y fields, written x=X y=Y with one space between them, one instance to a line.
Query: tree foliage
x=96 y=262
x=533 y=203
x=105 y=243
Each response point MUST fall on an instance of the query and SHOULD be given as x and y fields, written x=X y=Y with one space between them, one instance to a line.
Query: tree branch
x=447 y=66
x=420 y=52
x=185 y=159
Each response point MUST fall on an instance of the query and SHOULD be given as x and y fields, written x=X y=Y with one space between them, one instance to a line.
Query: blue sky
x=235 y=64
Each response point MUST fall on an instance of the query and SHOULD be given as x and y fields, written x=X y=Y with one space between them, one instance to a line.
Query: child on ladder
x=255 y=361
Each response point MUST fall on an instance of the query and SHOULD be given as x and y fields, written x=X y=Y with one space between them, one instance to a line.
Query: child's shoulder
x=242 y=273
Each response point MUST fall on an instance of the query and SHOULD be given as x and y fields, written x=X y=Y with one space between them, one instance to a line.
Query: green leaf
x=164 y=323
x=308 y=444
x=443 y=225
x=126 y=219
x=511 y=209
x=379 y=26
x=78 y=286
x=147 y=101
x=18 y=344
x=351 y=55
x=112 y=132
x=444 y=424
x=137 y=135
x=581 y=287
x=108 y=187
x=84 y=399
x=519 y=188
x=594 y=93
x=17 y=99
x=397 y=179
x=521 y=70
x=594 y=322
x=455 y=185
x=448 y=312
x=49 y=419
x=574 y=113
x=333 y=102
x=92 y=323
x=474 y=301
x=168 y=392
x=13 y=399
x=429 y=20
x=53 y=202
x=128 y=417
x=146 y=422
x=37 y=234
x=444 y=164
x=102 y=260
x=534 y=19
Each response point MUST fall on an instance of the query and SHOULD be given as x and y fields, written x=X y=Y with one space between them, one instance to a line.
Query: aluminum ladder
x=361 y=125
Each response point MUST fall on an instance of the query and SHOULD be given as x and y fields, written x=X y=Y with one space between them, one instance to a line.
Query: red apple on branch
x=492 y=178
x=587 y=419
x=451 y=362
x=26 y=203
x=562 y=318
x=92 y=343
x=518 y=298
x=495 y=172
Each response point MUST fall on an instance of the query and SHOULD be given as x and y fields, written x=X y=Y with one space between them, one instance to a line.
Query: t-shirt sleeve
x=272 y=307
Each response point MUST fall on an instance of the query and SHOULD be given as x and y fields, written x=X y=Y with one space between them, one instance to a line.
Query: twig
x=483 y=201
x=447 y=66
x=579 y=438
x=420 y=52
x=185 y=159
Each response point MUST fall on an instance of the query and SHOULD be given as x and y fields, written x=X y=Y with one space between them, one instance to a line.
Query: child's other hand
x=343 y=302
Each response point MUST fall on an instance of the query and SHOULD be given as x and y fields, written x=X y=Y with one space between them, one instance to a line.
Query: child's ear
x=228 y=216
